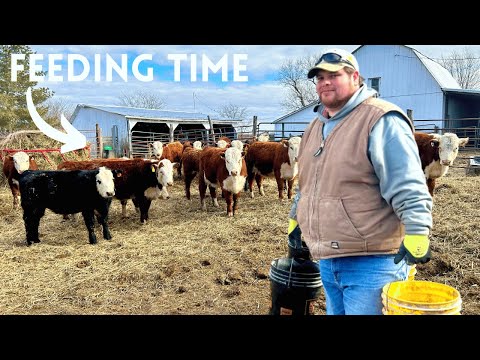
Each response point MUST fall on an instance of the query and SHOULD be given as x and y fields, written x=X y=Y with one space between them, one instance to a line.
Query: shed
x=129 y=130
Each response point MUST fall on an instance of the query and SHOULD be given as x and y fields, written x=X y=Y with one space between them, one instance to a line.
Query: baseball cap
x=333 y=60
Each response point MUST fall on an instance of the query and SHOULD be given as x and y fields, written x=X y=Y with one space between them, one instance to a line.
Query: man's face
x=336 y=88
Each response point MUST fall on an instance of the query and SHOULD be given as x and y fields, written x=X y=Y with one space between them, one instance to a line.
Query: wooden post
x=254 y=127
x=98 y=135
x=212 y=132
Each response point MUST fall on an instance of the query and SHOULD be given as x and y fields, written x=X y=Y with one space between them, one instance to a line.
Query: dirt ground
x=187 y=261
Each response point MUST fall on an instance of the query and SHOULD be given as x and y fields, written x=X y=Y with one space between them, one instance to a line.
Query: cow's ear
x=463 y=141
x=176 y=165
x=243 y=154
x=153 y=167
x=33 y=157
x=117 y=173
x=222 y=155
x=434 y=143
x=285 y=142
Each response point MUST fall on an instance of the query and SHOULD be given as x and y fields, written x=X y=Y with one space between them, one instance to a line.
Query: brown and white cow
x=15 y=165
x=225 y=168
x=139 y=180
x=437 y=153
x=157 y=149
x=263 y=137
x=173 y=152
x=267 y=158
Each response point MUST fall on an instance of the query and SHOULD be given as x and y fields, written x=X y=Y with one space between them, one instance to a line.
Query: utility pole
x=194 y=101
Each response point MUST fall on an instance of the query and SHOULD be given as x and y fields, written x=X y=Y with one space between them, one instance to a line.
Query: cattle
x=190 y=167
x=263 y=137
x=437 y=152
x=197 y=145
x=224 y=168
x=15 y=165
x=139 y=180
x=67 y=192
x=238 y=144
x=165 y=176
x=273 y=158
x=173 y=152
x=157 y=149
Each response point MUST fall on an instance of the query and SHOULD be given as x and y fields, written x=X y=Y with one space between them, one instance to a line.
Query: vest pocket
x=336 y=228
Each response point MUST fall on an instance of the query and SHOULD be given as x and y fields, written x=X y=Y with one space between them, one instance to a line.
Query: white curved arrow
x=73 y=139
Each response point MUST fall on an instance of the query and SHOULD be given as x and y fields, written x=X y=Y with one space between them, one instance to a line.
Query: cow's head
x=448 y=147
x=233 y=160
x=165 y=172
x=21 y=161
x=197 y=145
x=105 y=183
x=238 y=144
x=293 y=145
x=222 y=144
x=157 y=148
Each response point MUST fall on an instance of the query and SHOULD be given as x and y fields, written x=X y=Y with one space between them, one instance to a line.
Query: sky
x=197 y=78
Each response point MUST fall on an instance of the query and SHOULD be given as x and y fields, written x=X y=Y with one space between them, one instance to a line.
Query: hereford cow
x=165 y=176
x=224 y=168
x=139 y=180
x=197 y=145
x=13 y=166
x=157 y=148
x=173 y=152
x=437 y=153
x=266 y=158
x=263 y=137
x=67 y=192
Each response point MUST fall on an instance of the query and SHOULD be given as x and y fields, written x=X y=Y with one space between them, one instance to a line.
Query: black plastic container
x=295 y=284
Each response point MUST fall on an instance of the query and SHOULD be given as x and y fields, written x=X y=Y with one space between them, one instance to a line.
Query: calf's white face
x=197 y=145
x=233 y=161
x=21 y=160
x=222 y=144
x=293 y=146
x=157 y=147
x=448 y=147
x=165 y=172
x=105 y=183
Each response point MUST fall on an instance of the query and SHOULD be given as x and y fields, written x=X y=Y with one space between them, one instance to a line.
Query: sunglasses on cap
x=334 y=58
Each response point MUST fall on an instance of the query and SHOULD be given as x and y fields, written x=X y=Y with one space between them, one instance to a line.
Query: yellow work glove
x=416 y=248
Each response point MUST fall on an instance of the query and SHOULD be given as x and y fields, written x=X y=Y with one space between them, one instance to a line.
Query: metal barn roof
x=153 y=114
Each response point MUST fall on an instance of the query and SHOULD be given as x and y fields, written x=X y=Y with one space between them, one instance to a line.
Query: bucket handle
x=290 y=274
x=390 y=284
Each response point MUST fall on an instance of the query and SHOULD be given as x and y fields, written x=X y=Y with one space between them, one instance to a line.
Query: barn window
x=374 y=83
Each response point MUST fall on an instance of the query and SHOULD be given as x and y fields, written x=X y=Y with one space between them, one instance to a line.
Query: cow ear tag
x=153 y=168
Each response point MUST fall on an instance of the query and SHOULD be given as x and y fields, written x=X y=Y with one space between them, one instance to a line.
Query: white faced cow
x=273 y=158
x=437 y=153
x=157 y=148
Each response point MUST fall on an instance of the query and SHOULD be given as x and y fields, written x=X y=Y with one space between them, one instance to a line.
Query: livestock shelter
x=129 y=130
x=419 y=85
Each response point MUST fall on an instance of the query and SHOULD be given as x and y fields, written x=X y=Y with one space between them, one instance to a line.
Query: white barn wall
x=405 y=81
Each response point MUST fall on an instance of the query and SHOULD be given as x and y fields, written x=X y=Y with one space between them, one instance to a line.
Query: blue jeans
x=353 y=285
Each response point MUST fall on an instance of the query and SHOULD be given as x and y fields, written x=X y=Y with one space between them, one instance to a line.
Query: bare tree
x=56 y=107
x=464 y=66
x=232 y=111
x=300 y=91
x=141 y=99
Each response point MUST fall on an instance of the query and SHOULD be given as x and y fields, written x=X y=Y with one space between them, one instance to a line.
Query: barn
x=128 y=130
x=424 y=89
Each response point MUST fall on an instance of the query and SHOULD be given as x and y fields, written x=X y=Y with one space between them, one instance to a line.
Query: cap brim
x=327 y=67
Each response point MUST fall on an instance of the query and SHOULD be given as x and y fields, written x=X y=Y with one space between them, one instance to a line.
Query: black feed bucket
x=298 y=249
x=295 y=284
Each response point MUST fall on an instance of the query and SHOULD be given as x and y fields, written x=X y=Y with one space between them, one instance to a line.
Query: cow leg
x=228 y=198
x=279 y=185
x=31 y=219
x=290 y=188
x=235 y=202
x=188 y=183
x=431 y=186
x=135 y=203
x=124 y=207
x=202 y=189
x=259 y=180
x=103 y=220
x=89 y=218
x=144 y=204
x=250 y=179
x=213 y=195
x=15 y=191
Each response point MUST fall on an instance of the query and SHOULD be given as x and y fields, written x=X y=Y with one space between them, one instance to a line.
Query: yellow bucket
x=420 y=298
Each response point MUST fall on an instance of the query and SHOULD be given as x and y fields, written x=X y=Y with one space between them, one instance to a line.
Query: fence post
x=254 y=128
x=212 y=132
x=98 y=135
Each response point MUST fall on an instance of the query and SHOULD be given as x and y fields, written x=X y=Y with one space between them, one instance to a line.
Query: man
x=362 y=203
